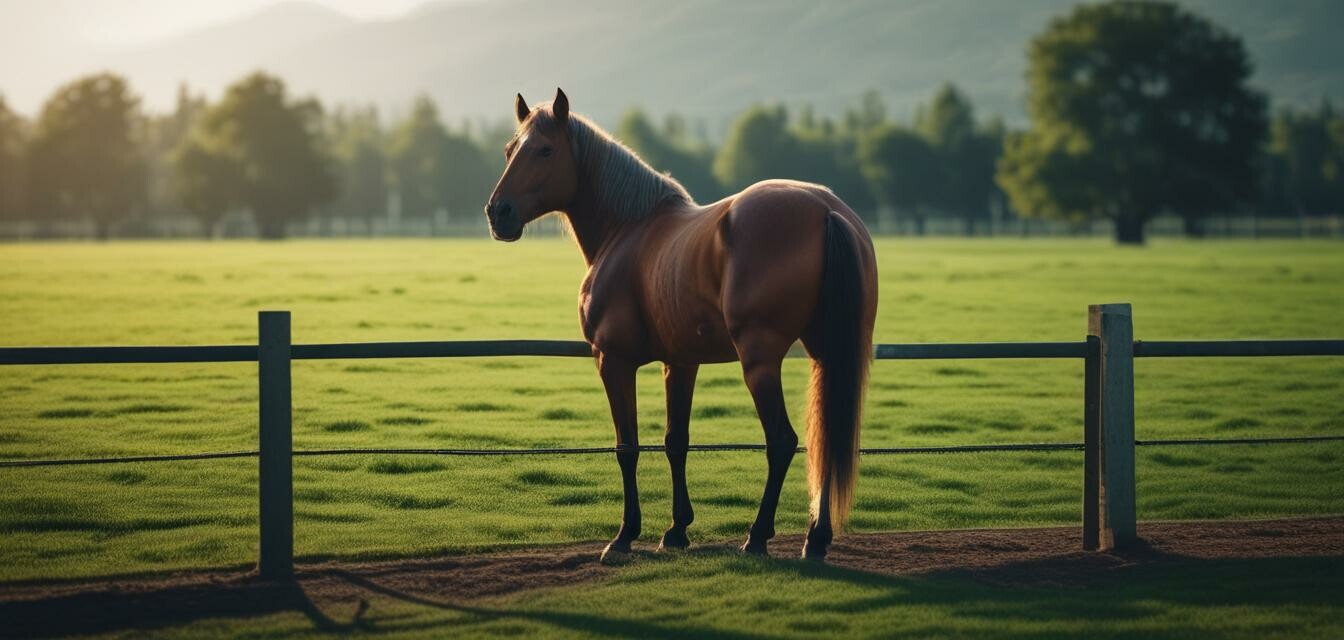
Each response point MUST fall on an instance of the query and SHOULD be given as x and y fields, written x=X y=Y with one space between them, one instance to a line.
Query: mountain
x=215 y=56
x=704 y=58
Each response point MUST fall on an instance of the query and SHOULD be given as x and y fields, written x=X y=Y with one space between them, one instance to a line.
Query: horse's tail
x=839 y=375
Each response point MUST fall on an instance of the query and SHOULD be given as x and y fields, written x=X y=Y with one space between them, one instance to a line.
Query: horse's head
x=540 y=175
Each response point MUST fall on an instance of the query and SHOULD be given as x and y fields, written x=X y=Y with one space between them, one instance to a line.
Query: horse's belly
x=696 y=338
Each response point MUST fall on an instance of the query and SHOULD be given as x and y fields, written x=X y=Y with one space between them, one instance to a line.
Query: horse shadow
x=1100 y=588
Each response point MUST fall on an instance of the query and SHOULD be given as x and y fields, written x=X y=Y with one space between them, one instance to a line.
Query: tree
x=1051 y=175
x=84 y=159
x=162 y=136
x=761 y=145
x=433 y=168
x=359 y=144
x=966 y=154
x=669 y=151
x=830 y=157
x=904 y=171
x=270 y=145
x=870 y=114
x=1153 y=100
x=13 y=169
x=1306 y=161
x=207 y=181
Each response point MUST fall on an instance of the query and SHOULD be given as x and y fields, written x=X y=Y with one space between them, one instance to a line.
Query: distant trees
x=359 y=147
x=1305 y=168
x=672 y=151
x=966 y=153
x=207 y=181
x=433 y=168
x=762 y=145
x=758 y=147
x=13 y=163
x=904 y=170
x=84 y=160
x=942 y=165
x=1137 y=107
x=258 y=149
x=161 y=135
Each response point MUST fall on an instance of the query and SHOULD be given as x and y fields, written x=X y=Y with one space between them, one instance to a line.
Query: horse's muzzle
x=505 y=223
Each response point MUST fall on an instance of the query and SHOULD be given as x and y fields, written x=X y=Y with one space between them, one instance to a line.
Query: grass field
x=89 y=521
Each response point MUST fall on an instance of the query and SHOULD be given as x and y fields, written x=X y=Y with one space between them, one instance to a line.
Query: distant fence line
x=1315 y=226
x=1108 y=353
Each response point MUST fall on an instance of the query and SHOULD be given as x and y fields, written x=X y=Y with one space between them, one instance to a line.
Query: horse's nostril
x=503 y=210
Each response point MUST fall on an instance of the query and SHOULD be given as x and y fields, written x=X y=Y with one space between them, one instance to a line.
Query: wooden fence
x=1108 y=352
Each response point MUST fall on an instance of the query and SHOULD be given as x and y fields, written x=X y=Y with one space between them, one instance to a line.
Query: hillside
x=701 y=57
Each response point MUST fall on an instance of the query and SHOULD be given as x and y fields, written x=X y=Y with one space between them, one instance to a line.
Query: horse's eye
x=546 y=152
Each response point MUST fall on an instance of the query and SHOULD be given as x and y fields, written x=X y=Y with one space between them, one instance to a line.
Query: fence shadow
x=1107 y=589
x=109 y=610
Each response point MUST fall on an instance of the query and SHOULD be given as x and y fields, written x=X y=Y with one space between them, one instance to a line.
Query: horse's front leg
x=680 y=384
x=618 y=377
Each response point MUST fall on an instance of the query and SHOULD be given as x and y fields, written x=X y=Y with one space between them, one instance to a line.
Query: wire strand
x=970 y=448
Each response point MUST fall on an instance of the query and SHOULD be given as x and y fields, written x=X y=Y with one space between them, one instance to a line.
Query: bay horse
x=669 y=280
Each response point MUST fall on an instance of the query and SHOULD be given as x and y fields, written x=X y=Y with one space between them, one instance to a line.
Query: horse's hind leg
x=680 y=384
x=761 y=359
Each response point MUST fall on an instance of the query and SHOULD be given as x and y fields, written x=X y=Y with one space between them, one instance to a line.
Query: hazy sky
x=139 y=21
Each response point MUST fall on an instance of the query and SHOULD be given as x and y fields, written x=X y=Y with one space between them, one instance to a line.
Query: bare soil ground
x=1008 y=557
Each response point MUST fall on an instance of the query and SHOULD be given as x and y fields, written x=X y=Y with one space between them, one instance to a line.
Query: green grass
x=723 y=595
x=741 y=597
x=83 y=521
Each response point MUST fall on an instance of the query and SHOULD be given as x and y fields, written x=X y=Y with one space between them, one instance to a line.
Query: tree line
x=1137 y=108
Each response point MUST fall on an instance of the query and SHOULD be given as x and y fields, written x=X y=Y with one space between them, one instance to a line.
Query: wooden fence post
x=1092 y=445
x=1113 y=326
x=276 y=478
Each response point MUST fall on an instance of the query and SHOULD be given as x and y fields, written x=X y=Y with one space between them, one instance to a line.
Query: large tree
x=1153 y=100
x=84 y=158
x=270 y=145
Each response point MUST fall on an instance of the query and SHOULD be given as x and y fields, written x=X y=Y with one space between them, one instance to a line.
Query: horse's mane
x=619 y=181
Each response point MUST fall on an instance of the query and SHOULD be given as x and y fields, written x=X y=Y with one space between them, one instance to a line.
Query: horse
x=683 y=284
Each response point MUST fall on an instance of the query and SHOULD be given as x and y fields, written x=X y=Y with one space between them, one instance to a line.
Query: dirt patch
x=1054 y=555
x=1043 y=556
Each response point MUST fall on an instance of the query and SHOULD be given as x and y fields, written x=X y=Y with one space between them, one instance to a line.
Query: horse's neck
x=594 y=221
x=593 y=228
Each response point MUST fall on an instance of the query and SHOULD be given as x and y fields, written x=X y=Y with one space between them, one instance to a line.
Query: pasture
x=72 y=522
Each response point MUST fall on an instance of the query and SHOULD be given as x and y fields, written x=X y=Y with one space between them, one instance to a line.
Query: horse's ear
x=560 y=106
x=520 y=106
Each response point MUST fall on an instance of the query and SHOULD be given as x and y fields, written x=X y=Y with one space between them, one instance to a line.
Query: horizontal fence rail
x=127 y=355
x=657 y=448
x=1108 y=407
x=575 y=348
x=1237 y=348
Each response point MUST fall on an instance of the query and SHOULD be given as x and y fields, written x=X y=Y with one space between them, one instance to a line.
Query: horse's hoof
x=815 y=555
x=674 y=539
x=618 y=551
x=754 y=548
